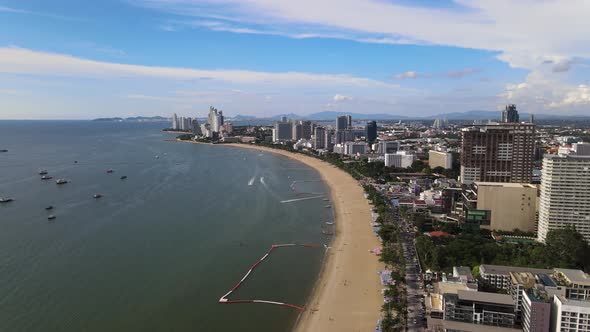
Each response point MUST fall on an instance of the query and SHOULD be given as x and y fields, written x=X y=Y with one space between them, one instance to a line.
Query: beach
x=347 y=295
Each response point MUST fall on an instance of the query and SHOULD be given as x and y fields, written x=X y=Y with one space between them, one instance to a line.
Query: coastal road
x=415 y=292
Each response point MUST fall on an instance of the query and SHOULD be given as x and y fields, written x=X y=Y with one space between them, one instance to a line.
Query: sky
x=70 y=59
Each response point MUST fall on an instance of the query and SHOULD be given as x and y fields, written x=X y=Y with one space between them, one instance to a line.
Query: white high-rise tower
x=565 y=193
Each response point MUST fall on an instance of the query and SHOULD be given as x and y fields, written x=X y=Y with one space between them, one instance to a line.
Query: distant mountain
x=243 y=117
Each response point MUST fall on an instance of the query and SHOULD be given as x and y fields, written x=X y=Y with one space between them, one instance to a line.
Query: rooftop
x=505 y=184
x=573 y=303
x=484 y=297
x=505 y=270
x=575 y=276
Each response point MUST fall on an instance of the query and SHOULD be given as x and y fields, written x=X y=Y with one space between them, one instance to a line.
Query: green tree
x=566 y=248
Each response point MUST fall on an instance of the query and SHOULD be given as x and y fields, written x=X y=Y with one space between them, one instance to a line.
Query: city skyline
x=65 y=60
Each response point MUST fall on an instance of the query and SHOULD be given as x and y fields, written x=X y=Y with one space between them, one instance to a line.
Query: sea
x=159 y=249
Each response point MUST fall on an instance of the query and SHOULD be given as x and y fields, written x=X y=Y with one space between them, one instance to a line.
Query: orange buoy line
x=224 y=298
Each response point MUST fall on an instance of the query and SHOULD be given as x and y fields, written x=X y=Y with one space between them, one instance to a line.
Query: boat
x=328 y=206
x=97 y=195
x=42 y=172
x=50 y=217
x=61 y=181
x=46 y=177
x=325 y=199
x=50 y=207
x=157 y=157
x=75 y=161
x=6 y=199
x=123 y=177
x=329 y=223
x=3 y=150
x=110 y=170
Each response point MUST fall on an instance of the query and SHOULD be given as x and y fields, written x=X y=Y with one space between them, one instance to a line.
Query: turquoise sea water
x=160 y=248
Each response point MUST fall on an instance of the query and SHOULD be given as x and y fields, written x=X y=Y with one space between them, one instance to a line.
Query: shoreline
x=346 y=295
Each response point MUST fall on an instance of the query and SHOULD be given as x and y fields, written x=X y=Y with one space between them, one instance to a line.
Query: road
x=415 y=285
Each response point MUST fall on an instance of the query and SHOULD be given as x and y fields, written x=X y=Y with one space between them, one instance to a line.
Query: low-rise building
x=499 y=275
x=440 y=159
x=400 y=159
x=480 y=308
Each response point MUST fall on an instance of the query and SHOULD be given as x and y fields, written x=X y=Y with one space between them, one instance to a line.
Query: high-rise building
x=353 y=148
x=319 y=138
x=297 y=131
x=174 y=121
x=196 y=129
x=342 y=122
x=387 y=147
x=215 y=119
x=283 y=131
x=565 y=194
x=510 y=114
x=371 y=131
x=329 y=139
x=306 y=129
x=498 y=153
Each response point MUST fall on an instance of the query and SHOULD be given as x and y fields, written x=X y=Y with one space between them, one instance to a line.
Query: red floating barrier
x=224 y=298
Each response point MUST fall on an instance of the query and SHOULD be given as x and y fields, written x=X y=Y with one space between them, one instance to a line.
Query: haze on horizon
x=66 y=59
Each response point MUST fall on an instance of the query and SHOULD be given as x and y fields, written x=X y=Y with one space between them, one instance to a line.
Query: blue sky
x=83 y=59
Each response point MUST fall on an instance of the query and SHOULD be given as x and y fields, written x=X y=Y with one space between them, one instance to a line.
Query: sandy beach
x=347 y=295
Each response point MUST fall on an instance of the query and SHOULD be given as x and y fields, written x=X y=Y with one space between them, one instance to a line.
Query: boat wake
x=300 y=199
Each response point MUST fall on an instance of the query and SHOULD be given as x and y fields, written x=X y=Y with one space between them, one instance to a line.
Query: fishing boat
x=61 y=181
x=46 y=177
x=6 y=199
x=50 y=217
x=50 y=207
x=97 y=196
x=123 y=177
x=42 y=172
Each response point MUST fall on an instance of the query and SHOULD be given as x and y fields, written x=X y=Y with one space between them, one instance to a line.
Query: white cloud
x=341 y=98
x=553 y=27
x=452 y=74
x=408 y=74
x=23 y=61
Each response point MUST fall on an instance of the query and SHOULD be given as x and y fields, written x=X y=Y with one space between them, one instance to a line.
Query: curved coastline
x=347 y=294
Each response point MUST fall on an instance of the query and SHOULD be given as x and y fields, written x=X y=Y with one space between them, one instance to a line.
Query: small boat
x=329 y=223
x=46 y=177
x=110 y=170
x=97 y=196
x=6 y=199
x=325 y=199
x=50 y=217
x=61 y=181
x=123 y=177
x=157 y=157
x=3 y=150
x=75 y=161
x=42 y=172
x=328 y=206
x=50 y=207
